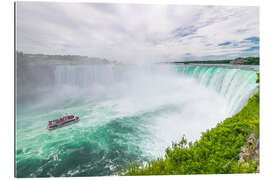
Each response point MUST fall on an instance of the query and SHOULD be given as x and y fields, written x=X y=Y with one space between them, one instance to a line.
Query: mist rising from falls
x=127 y=112
x=233 y=84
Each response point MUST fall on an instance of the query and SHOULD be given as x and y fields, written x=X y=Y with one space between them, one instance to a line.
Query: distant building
x=238 y=61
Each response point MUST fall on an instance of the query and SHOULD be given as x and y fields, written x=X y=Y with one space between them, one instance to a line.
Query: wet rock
x=251 y=139
x=250 y=152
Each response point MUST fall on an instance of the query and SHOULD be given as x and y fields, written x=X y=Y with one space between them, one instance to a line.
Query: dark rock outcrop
x=250 y=152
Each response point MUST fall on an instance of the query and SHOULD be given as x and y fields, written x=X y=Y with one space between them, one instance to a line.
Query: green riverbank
x=217 y=151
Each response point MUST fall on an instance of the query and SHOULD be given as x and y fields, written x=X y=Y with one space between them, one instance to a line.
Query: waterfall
x=128 y=113
x=234 y=84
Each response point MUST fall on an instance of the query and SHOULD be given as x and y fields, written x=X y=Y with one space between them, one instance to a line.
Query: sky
x=134 y=33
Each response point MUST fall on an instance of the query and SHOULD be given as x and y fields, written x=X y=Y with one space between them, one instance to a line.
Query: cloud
x=252 y=48
x=137 y=33
x=253 y=39
x=184 y=31
x=225 y=43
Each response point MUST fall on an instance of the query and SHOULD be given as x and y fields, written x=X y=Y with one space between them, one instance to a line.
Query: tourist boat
x=64 y=121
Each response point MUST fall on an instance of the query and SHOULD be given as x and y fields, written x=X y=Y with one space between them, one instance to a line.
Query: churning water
x=128 y=113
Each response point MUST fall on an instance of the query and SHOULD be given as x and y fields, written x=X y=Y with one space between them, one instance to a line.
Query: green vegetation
x=217 y=151
x=250 y=61
x=258 y=80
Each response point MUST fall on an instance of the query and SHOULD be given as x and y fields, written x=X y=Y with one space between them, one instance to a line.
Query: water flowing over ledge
x=236 y=85
x=128 y=113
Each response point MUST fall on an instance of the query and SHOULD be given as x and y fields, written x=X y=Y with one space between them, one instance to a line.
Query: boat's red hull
x=65 y=121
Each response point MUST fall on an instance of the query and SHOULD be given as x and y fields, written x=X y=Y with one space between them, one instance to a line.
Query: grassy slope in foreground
x=217 y=151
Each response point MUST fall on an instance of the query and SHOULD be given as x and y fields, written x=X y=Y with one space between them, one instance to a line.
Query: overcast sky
x=138 y=33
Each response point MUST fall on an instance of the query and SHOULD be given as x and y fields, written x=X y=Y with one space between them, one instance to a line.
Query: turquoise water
x=234 y=85
x=128 y=113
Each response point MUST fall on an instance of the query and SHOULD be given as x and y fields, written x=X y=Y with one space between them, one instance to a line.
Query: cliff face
x=250 y=152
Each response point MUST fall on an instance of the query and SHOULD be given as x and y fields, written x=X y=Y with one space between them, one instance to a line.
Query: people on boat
x=62 y=120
